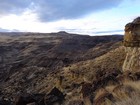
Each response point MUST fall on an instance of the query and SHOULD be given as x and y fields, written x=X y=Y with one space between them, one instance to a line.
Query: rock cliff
x=132 y=46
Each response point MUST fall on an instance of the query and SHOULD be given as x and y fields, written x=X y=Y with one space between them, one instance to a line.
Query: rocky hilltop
x=69 y=69
x=132 y=46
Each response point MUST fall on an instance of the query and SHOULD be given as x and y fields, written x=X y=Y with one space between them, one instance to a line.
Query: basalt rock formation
x=132 y=46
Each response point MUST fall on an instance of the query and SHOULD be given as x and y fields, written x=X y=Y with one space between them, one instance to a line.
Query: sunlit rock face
x=132 y=46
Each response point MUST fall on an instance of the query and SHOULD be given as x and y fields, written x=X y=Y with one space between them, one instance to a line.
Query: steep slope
x=36 y=63
x=48 y=50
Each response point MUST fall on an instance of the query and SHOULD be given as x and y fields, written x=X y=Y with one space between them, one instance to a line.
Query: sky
x=87 y=17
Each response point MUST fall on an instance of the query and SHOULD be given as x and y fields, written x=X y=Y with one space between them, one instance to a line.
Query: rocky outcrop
x=52 y=98
x=55 y=97
x=30 y=99
x=132 y=34
x=132 y=46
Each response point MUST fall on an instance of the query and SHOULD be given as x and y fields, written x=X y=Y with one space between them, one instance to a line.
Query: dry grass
x=126 y=94
x=134 y=84
x=122 y=92
x=110 y=88
x=100 y=92
x=133 y=100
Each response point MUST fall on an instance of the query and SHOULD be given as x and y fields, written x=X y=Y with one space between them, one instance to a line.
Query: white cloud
x=96 y=23
x=29 y=22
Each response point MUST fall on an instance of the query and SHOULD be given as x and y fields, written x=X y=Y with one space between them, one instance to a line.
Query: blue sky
x=92 y=17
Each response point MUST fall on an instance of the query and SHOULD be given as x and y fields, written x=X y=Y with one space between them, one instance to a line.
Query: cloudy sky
x=93 y=17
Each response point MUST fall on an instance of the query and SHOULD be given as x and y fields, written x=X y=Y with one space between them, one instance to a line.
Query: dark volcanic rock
x=55 y=96
x=23 y=99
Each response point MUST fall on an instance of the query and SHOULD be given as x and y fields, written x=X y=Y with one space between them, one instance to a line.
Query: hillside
x=36 y=63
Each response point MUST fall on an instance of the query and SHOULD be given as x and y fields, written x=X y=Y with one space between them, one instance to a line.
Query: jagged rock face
x=132 y=61
x=132 y=34
x=132 y=46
